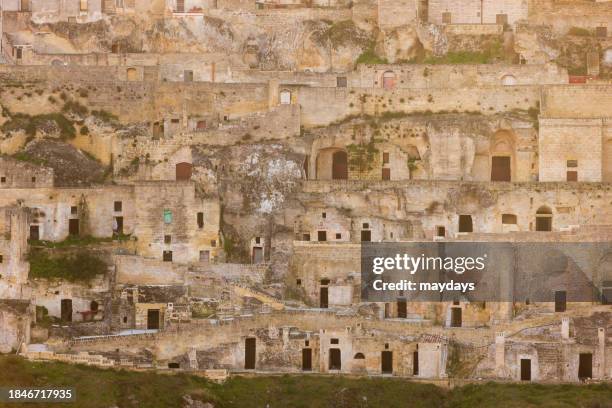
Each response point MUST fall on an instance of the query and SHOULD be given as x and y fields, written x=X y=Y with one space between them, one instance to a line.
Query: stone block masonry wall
x=395 y=13
x=477 y=11
x=323 y=106
x=563 y=140
x=577 y=101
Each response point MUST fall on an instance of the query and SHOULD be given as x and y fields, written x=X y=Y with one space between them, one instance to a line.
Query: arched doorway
x=544 y=219
x=332 y=164
x=502 y=156
x=509 y=80
x=340 y=165
x=183 y=171
x=388 y=80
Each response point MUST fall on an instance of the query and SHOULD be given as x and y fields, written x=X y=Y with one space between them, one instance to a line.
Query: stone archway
x=332 y=164
x=388 y=80
x=544 y=219
x=502 y=153
x=509 y=80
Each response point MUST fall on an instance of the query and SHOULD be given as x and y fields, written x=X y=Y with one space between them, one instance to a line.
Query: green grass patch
x=31 y=124
x=369 y=57
x=98 y=388
x=79 y=267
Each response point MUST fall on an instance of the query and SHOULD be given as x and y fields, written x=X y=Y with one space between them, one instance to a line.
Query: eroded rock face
x=401 y=44
x=71 y=166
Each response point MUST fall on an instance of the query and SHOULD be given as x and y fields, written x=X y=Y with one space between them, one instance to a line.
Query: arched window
x=285 y=97
x=544 y=219
x=132 y=74
x=509 y=80
x=388 y=81
x=359 y=356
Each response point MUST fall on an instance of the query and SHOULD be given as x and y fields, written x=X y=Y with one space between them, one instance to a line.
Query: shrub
x=83 y=266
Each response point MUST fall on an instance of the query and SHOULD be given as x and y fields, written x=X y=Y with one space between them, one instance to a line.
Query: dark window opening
x=440 y=231
x=73 y=226
x=167 y=256
x=174 y=365
x=341 y=82
x=366 y=236
x=334 y=341
x=509 y=219
x=118 y=205
x=200 y=219
x=321 y=236
x=415 y=363
x=386 y=174
x=385 y=158
x=338 y=235
x=167 y=239
x=74 y=210
x=500 y=168
x=572 y=176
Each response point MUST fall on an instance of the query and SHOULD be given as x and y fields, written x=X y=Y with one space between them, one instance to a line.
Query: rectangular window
x=305 y=237
x=341 y=82
x=572 y=176
x=83 y=4
x=572 y=163
x=509 y=219
x=167 y=256
x=446 y=18
x=74 y=210
x=386 y=158
x=118 y=206
x=167 y=216
x=19 y=53
x=200 y=220
x=167 y=239
x=501 y=19
x=440 y=231
x=213 y=243
x=338 y=235
x=2 y=179
x=322 y=236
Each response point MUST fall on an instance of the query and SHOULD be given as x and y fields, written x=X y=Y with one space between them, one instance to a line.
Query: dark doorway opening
x=366 y=235
x=257 y=255
x=456 y=317
x=402 y=309
x=66 y=310
x=415 y=363
x=321 y=236
x=585 y=366
x=339 y=165
x=335 y=361
x=34 y=232
x=307 y=359
x=183 y=171
x=119 y=225
x=560 y=301
x=386 y=174
x=387 y=362
x=465 y=223
x=525 y=369
x=500 y=168
x=324 y=298
x=153 y=319
x=174 y=365
x=73 y=226
x=249 y=353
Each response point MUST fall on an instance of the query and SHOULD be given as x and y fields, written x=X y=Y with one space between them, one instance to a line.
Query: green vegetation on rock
x=82 y=266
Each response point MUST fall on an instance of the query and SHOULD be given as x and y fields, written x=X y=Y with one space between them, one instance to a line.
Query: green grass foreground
x=109 y=388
